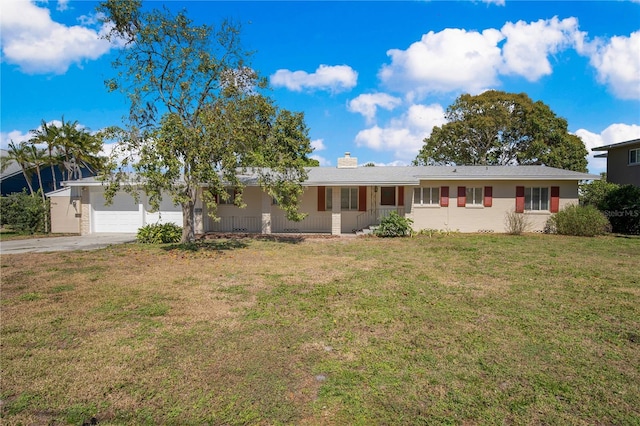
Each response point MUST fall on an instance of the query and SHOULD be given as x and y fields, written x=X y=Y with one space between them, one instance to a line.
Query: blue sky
x=372 y=78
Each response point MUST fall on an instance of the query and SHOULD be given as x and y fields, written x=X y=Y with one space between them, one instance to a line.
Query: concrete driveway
x=85 y=242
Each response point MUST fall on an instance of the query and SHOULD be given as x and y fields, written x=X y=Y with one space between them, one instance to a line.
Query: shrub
x=394 y=225
x=159 y=233
x=622 y=207
x=595 y=192
x=24 y=213
x=516 y=223
x=584 y=221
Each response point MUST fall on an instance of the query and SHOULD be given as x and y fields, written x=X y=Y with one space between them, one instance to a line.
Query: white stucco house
x=347 y=198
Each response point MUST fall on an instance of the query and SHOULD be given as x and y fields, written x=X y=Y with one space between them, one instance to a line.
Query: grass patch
x=447 y=329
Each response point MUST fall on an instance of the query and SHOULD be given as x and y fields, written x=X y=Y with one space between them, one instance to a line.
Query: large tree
x=198 y=115
x=499 y=128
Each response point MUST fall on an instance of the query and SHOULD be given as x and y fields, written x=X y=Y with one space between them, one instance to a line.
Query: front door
x=388 y=196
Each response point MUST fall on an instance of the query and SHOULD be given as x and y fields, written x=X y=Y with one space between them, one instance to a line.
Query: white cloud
x=617 y=62
x=450 y=60
x=318 y=145
x=39 y=45
x=367 y=104
x=404 y=135
x=615 y=133
x=335 y=79
x=528 y=46
x=496 y=2
x=458 y=60
x=323 y=161
x=15 y=135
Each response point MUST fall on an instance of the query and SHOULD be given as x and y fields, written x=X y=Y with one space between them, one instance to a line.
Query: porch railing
x=374 y=216
x=308 y=224
x=237 y=224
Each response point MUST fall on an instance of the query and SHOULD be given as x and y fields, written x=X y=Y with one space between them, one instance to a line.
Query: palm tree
x=48 y=134
x=20 y=155
x=37 y=156
x=79 y=148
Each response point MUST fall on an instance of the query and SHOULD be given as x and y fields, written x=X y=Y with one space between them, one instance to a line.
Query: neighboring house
x=12 y=179
x=623 y=162
x=347 y=198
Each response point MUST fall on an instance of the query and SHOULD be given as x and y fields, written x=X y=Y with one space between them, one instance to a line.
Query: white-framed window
x=474 y=196
x=231 y=196
x=634 y=156
x=536 y=198
x=328 y=199
x=426 y=196
x=349 y=198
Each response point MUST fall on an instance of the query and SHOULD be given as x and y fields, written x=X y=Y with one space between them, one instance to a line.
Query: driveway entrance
x=85 y=242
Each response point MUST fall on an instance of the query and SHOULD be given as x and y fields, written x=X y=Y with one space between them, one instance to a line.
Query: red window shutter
x=321 y=199
x=462 y=196
x=401 y=195
x=488 y=196
x=519 y=199
x=444 y=196
x=555 y=199
x=362 y=198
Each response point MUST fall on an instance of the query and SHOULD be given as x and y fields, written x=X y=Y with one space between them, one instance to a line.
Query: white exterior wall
x=483 y=219
x=235 y=219
x=315 y=222
x=261 y=216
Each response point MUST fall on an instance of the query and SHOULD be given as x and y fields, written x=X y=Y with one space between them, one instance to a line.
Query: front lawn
x=454 y=329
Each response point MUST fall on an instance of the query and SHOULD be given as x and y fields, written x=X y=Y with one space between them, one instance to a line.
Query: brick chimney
x=347 y=162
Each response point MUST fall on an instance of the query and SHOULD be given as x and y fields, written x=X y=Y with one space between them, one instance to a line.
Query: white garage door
x=169 y=213
x=123 y=215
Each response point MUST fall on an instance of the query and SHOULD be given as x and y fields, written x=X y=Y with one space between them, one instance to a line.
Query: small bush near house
x=516 y=223
x=622 y=207
x=581 y=221
x=394 y=225
x=24 y=213
x=159 y=233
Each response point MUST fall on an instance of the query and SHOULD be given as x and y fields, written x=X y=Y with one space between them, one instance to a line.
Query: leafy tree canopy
x=198 y=114
x=499 y=128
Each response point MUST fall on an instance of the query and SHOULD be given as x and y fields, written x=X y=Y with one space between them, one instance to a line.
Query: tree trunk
x=26 y=177
x=188 y=232
x=44 y=201
x=53 y=172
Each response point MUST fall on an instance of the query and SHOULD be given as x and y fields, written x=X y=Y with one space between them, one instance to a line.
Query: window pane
x=535 y=195
x=474 y=196
x=527 y=198
x=544 y=198
x=435 y=195
x=344 y=198
x=354 y=199
x=328 y=198
x=417 y=195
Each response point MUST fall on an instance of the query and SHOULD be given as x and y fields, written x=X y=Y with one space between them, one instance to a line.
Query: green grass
x=452 y=329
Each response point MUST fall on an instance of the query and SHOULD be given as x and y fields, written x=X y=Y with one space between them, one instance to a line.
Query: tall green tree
x=77 y=148
x=19 y=153
x=499 y=128
x=47 y=134
x=198 y=115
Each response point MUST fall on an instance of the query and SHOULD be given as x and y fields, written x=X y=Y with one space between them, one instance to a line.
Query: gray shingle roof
x=409 y=175
x=413 y=175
